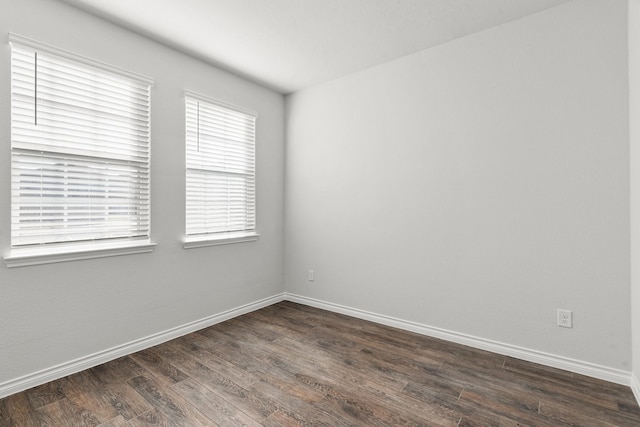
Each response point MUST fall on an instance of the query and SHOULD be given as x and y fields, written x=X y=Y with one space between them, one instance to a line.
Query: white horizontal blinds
x=220 y=193
x=80 y=151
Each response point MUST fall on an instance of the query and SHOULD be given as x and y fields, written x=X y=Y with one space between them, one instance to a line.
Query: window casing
x=220 y=173
x=80 y=155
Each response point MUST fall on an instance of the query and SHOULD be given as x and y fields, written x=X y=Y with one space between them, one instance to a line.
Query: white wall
x=56 y=313
x=477 y=186
x=634 y=137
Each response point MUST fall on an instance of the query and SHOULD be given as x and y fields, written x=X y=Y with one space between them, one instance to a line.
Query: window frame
x=23 y=254
x=197 y=240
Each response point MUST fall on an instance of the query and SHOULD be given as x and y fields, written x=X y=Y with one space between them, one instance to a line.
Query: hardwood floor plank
x=254 y=358
x=253 y=327
x=103 y=389
x=297 y=325
x=287 y=397
x=97 y=403
x=212 y=405
x=322 y=363
x=178 y=411
x=564 y=384
x=158 y=367
x=222 y=345
x=375 y=412
x=348 y=402
x=153 y=418
x=65 y=412
x=435 y=386
x=280 y=419
x=491 y=384
x=121 y=369
x=118 y=421
x=218 y=383
x=81 y=382
x=276 y=326
x=256 y=406
x=126 y=401
x=287 y=385
x=17 y=409
x=45 y=394
x=506 y=406
x=310 y=415
x=630 y=408
x=234 y=329
x=5 y=420
x=212 y=361
x=584 y=415
x=460 y=356
x=294 y=365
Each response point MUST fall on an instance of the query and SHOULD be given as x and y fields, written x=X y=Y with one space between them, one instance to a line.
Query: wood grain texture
x=293 y=365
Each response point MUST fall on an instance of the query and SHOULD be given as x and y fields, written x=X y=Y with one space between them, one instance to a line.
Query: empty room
x=320 y=212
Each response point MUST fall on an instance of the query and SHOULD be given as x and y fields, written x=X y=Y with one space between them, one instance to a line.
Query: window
x=79 y=157
x=220 y=178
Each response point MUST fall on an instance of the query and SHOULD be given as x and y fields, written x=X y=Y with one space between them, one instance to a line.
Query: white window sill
x=191 y=242
x=36 y=256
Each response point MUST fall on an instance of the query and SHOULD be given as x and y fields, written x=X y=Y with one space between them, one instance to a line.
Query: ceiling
x=288 y=45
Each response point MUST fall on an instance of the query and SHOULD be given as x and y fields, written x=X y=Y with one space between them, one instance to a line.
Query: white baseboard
x=585 y=368
x=635 y=387
x=41 y=377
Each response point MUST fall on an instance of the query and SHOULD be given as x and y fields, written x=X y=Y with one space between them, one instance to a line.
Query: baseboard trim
x=577 y=366
x=41 y=377
x=635 y=387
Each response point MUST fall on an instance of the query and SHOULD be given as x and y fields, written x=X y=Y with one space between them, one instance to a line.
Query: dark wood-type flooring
x=289 y=365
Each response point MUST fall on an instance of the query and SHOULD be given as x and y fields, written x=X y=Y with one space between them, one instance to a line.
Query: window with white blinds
x=220 y=177
x=80 y=135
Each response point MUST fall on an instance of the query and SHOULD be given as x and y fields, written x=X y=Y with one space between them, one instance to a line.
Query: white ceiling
x=289 y=45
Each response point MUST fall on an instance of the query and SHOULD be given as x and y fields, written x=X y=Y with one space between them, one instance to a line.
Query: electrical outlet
x=310 y=276
x=565 y=318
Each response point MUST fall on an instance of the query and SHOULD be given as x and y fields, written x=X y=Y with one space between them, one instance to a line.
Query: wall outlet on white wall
x=310 y=276
x=565 y=318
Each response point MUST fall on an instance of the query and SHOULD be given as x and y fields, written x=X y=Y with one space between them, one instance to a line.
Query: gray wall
x=476 y=187
x=56 y=313
x=634 y=122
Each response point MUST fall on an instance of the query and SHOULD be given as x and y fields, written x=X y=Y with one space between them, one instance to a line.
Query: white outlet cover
x=565 y=318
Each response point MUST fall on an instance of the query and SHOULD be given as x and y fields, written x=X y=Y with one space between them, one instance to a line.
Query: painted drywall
x=477 y=186
x=634 y=155
x=52 y=314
